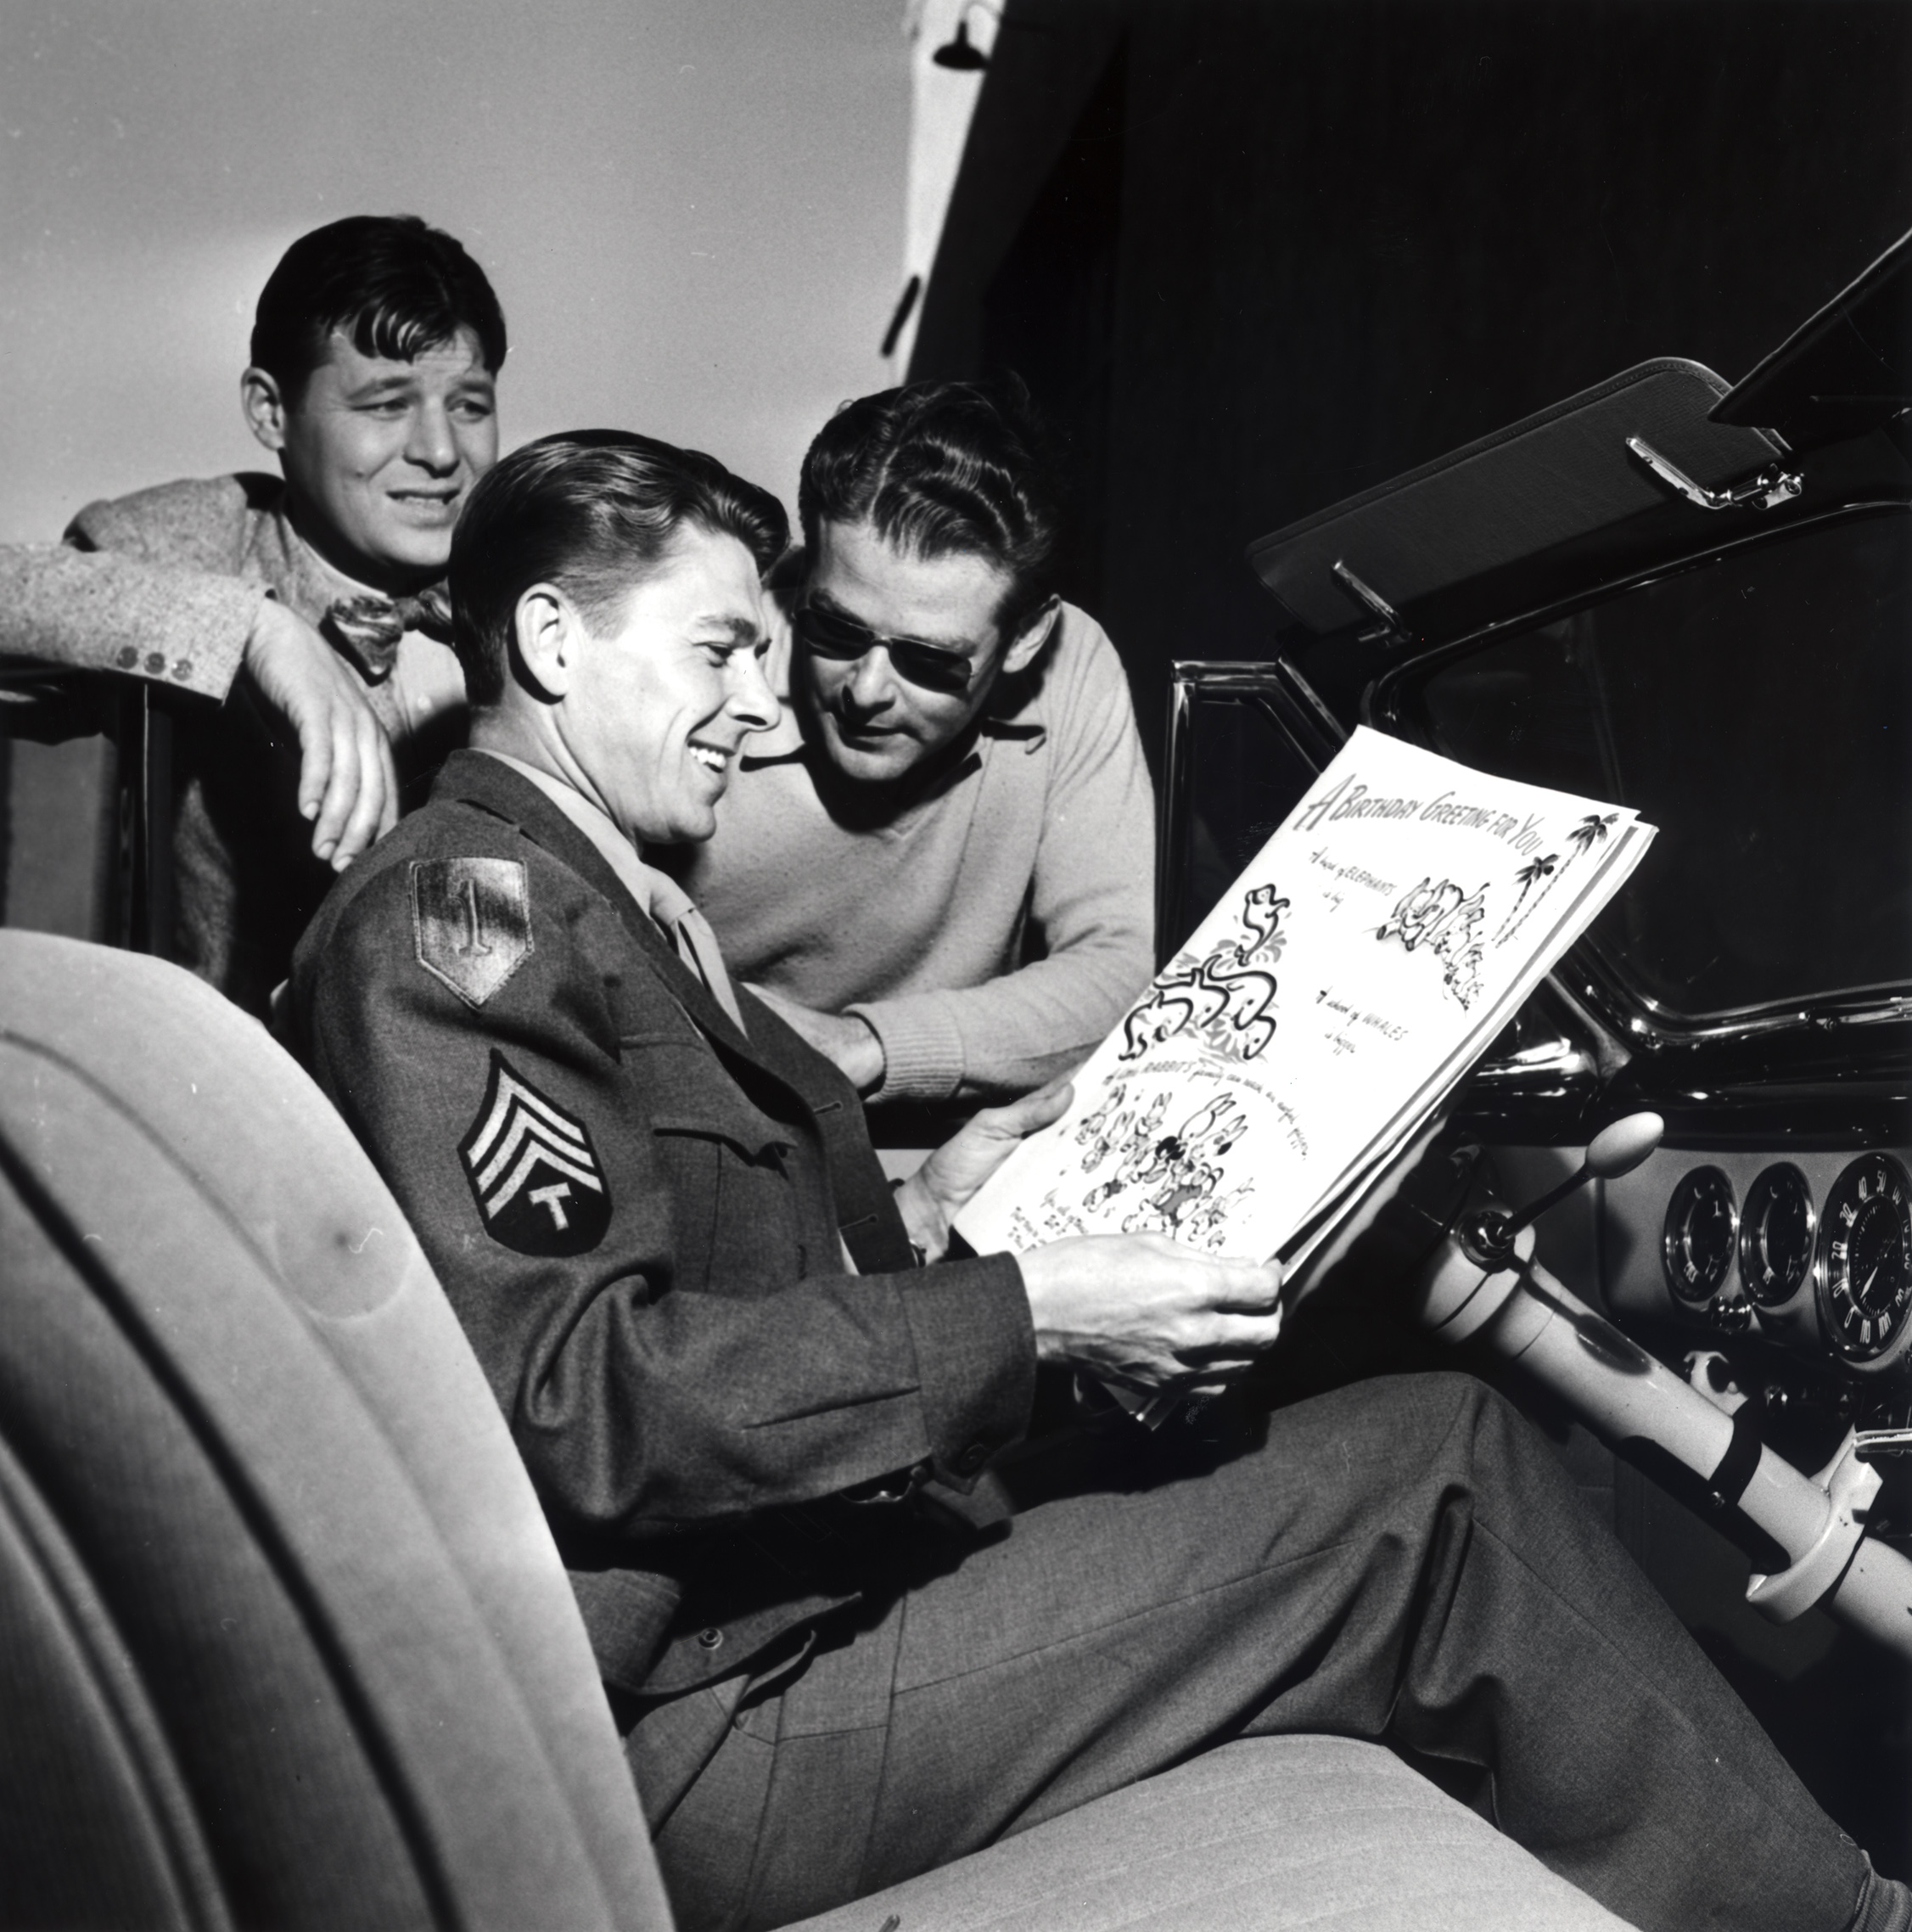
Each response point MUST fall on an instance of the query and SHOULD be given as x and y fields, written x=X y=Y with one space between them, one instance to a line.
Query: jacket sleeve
x=1091 y=908
x=642 y=1398
x=91 y=610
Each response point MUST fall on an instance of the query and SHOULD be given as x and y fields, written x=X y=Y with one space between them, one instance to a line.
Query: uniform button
x=183 y=668
x=710 y=1640
x=971 y=1459
x=128 y=658
x=156 y=662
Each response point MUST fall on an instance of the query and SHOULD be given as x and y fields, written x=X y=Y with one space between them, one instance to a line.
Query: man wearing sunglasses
x=938 y=867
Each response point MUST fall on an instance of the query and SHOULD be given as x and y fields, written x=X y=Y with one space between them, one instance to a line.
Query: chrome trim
x=1277 y=690
x=1172 y=811
x=1834 y=1009
x=1657 y=1025
x=1771 y=487
x=1393 y=631
x=1558 y=1061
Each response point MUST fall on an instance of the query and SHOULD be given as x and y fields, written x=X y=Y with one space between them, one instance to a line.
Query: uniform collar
x=501 y=787
x=640 y=880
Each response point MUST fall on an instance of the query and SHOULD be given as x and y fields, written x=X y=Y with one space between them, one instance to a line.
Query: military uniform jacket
x=641 y=1217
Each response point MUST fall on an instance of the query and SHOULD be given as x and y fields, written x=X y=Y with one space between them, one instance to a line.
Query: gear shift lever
x=1488 y=1237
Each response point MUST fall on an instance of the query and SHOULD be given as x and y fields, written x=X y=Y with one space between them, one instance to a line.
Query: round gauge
x=1701 y=1234
x=1865 y=1271
x=1776 y=1228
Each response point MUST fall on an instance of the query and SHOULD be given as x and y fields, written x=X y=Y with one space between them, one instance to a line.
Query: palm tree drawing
x=1527 y=878
x=1590 y=831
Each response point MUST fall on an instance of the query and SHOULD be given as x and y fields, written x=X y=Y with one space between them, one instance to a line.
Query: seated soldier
x=758 y=1420
x=374 y=353
x=940 y=866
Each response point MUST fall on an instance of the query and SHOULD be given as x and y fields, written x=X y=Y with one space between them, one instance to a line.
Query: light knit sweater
x=992 y=931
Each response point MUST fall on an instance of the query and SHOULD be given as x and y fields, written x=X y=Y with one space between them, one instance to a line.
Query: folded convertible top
x=1562 y=475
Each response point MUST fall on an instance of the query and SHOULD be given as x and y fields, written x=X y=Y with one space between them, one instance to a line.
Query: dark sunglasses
x=831 y=634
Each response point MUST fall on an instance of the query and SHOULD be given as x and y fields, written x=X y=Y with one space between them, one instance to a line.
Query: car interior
x=1692 y=600
x=288 y=1644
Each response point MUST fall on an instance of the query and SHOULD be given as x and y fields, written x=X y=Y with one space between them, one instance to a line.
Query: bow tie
x=367 y=628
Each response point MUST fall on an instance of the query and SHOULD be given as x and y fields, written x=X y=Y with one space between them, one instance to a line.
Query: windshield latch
x=1390 y=629
x=1773 y=485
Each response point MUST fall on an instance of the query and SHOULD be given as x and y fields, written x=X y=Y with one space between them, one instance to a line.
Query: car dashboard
x=1739 y=674
x=1752 y=983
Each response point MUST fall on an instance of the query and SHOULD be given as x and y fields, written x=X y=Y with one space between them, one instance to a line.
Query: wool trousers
x=1404 y=1560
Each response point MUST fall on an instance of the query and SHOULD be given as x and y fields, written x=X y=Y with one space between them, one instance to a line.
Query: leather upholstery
x=1271 y=1834
x=292 y=1645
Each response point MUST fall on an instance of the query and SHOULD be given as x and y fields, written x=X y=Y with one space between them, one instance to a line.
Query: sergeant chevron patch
x=533 y=1170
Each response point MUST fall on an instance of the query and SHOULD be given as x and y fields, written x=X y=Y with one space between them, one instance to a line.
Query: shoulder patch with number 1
x=533 y=1170
x=471 y=923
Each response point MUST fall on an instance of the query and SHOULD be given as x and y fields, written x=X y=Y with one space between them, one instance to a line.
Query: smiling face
x=659 y=702
x=874 y=723
x=379 y=455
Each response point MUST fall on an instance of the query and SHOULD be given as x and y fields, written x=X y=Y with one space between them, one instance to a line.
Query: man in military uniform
x=853 y=1623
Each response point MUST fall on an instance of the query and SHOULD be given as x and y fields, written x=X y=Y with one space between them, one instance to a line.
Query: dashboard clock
x=1863 y=1274
x=1700 y=1238
x=1776 y=1228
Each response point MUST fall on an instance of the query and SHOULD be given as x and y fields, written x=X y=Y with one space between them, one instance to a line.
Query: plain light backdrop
x=692 y=209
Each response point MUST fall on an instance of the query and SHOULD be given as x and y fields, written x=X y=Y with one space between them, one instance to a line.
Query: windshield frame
x=1388 y=705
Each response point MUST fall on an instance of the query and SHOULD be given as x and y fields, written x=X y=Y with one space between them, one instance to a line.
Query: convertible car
x=284 y=1641
x=1695 y=599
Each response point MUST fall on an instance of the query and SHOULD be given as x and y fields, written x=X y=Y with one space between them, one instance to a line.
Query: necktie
x=367 y=628
x=697 y=944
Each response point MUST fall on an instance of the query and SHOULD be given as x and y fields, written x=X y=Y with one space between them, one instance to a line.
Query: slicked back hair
x=592 y=512
x=391 y=284
x=941 y=469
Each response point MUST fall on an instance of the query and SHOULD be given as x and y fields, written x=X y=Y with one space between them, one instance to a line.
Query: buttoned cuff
x=922 y=1045
x=208 y=621
x=96 y=610
x=975 y=1349
x=217 y=614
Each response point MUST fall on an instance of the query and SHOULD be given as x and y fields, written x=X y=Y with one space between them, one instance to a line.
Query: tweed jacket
x=641 y=1215
x=94 y=610
x=165 y=585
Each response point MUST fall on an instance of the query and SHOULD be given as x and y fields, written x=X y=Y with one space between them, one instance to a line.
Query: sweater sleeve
x=91 y=610
x=1091 y=908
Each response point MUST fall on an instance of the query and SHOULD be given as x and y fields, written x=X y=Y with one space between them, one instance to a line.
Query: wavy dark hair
x=943 y=468
x=591 y=512
x=392 y=284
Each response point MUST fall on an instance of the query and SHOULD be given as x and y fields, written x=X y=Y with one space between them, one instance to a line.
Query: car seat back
x=283 y=1638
